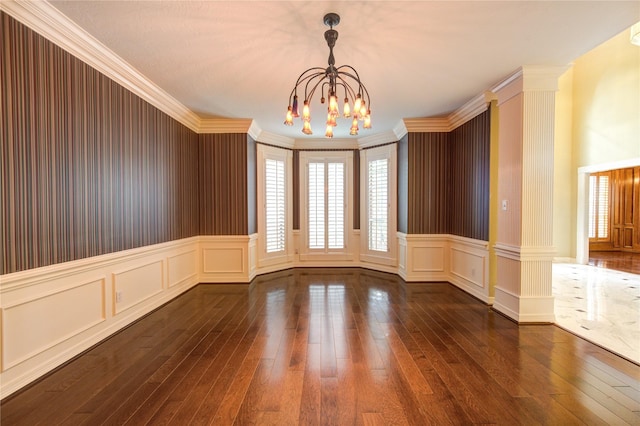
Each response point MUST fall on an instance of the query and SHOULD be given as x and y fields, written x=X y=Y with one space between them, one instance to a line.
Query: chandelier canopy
x=332 y=81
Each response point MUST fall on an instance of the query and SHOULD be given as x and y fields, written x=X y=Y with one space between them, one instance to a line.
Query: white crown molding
x=400 y=130
x=49 y=22
x=320 y=144
x=427 y=124
x=377 y=139
x=225 y=125
x=457 y=118
x=275 y=140
x=470 y=110
x=529 y=78
x=254 y=130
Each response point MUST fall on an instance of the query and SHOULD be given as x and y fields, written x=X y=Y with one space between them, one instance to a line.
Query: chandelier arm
x=302 y=78
x=357 y=79
x=313 y=89
x=347 y=87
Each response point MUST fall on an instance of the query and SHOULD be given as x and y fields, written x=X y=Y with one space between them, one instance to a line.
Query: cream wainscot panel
x=469 y=266
x=225 y=258
x=51 y=314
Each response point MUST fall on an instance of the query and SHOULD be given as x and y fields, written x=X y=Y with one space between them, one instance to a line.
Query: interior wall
x=600 y=98
x=448 y=180
x=564 y=175
x=469 y=171
x=223 y=184
x=88 y=167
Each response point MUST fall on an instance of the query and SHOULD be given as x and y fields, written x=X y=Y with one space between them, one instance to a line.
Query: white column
x=524 y=242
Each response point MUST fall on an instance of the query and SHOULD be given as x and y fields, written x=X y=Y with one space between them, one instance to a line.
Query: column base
x=524 y=309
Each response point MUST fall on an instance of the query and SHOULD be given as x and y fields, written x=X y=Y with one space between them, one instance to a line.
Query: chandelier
x=332 y=81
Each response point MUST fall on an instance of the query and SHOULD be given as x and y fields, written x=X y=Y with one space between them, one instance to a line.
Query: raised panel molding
x=50 y=318
x=136 y=284
x=225 y=258
x=76 y=301
x=181 y=267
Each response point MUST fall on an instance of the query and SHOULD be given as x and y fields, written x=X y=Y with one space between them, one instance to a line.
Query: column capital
x=529 y=78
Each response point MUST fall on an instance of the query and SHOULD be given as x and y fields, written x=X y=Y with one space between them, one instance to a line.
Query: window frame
x=264 y=258
x=388 y=258
x=346 y=158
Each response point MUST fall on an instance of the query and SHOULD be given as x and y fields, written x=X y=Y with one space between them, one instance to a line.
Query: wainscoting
x=49 y=315
x=53 y=313
x=464 y=262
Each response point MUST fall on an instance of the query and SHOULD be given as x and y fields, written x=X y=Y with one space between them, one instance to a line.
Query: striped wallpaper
x=428 y=191
x=469 y=179
x=88 y=168
x=447 y=181
x=223 y=184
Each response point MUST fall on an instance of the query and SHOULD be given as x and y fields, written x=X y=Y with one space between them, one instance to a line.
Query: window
x=378 y=198
x=378 y=204
x=275 y=225
x=274 y=245
x=599 y=207
x=326 y=205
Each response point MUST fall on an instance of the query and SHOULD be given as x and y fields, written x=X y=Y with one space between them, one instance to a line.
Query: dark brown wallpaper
x=469 y=179
x=223 y=184
x=448 y=181
x=428 y=194
x=87 y=167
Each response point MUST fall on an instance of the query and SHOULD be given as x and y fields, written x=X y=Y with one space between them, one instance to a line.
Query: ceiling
x=240 y=59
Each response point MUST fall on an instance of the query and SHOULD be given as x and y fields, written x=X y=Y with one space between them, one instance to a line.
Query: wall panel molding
x=53 y=313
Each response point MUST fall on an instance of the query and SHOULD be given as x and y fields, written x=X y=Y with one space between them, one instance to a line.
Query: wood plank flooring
x=333 y=347
x=617 y=260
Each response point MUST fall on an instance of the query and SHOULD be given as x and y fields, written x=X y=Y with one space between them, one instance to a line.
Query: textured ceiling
x=240 y=59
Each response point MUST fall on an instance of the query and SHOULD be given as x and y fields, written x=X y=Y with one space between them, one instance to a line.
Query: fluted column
x=524 y=243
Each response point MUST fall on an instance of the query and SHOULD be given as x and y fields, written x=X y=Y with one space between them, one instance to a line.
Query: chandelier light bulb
x=331 y=120
x=367 y=120
x=347 y=110
x=354 y=127
x=333 y=106
x=306 y=128
x=363 y=110
x=306 y=114
x=289 y=118
x=357 y=104
x=329 y=133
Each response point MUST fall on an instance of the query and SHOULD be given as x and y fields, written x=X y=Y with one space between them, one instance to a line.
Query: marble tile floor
x=599 y=305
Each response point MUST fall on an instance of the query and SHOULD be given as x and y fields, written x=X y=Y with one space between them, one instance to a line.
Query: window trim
x=264 y=259
x=306 y=254
x=390 y=257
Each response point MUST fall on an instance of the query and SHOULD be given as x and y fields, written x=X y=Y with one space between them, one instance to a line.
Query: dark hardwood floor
x=618 y=260
x=333 y=346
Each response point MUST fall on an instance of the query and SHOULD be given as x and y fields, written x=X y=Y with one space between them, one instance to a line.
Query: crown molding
x=225 y=125
x=324 y=143
x=400 y=130
x=49 y=22
x=377 y=139
x=427 y=124
x=470 y=110
x=457 y=118
x=275 y=139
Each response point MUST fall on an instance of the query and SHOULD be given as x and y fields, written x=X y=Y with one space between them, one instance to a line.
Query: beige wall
x=597 y=123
